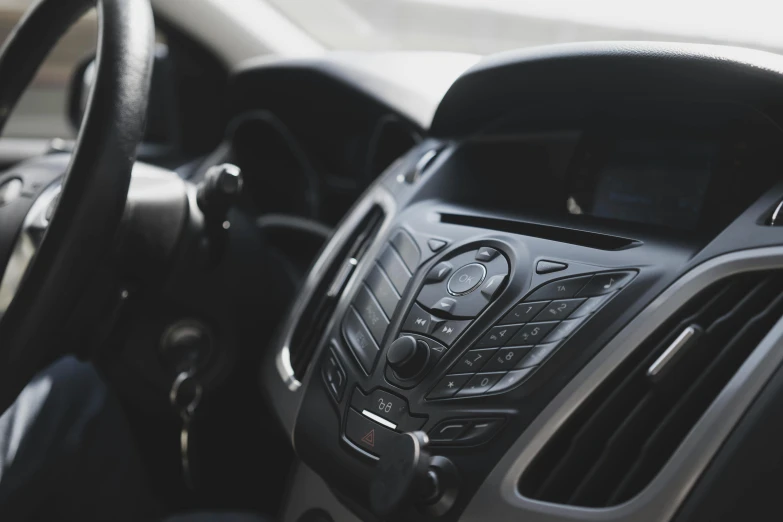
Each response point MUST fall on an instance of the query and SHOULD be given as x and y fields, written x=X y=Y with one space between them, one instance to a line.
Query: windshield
x=487 y=26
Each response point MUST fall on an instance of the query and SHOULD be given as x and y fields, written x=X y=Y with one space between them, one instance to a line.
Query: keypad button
x=448 y=430
x=497 y=336
x=368 y=435
x=470 y=305
x=371 y=313
x=548 y=267
x=486 y=254
x=383 y=291
x=563 y=330
x=492 y=286
x=473 y=360
x=387 y=405
x=394 y=267
x=480 y=383
x=436 y=245
x=532 y=333
x=418 y=321
x=467 y=278
x=439 y=273
x=511 y=380
x=559 y=310
x=445 y=304
x=406 y=247
x=448 y=386
x=562 y=289
x=590 y=306
x=602 y=284
x=333 y=375
x=537 y=355
x=480 y=431
x=437 y=350
x=360 y=340
x=448 y=332
x=506 y=358
x=523 y=313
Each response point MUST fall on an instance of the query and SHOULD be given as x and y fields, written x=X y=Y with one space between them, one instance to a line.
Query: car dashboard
x=570 y=281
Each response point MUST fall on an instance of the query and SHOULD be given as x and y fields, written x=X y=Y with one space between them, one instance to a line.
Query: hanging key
x=185 y=396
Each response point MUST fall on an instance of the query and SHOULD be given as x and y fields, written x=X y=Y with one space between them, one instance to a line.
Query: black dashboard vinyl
x=560 y=194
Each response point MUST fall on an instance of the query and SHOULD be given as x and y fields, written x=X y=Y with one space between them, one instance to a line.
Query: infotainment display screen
x=656 y=182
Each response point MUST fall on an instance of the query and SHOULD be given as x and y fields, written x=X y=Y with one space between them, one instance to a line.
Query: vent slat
x=619 y=399
x=598 y=482
x=674 y=426
x=623 y=434
x=319 y=310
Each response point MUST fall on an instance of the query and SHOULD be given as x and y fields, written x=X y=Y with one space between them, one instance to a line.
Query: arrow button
x=446 y=304
x=448 y=332
x=439 y=272
x=486 y=254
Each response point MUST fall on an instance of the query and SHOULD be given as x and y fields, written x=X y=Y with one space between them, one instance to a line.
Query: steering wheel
x=95 y=188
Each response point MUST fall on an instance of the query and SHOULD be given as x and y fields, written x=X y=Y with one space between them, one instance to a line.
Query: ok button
x=467 y=279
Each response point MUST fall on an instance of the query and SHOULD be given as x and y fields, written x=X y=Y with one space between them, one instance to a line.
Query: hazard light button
x=367 y=435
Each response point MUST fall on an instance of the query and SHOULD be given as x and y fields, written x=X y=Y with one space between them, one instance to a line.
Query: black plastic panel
x=504 y=190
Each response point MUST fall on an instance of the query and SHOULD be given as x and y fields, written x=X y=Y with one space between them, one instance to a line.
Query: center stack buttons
x=455 y=291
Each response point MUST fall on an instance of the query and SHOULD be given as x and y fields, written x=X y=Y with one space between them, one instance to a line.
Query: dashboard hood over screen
x=411 y=83
x=567 y=81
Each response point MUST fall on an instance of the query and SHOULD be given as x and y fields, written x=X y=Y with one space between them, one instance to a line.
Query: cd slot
x=554 y=233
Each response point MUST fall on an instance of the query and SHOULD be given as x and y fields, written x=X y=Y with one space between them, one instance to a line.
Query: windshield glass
x=487 y=26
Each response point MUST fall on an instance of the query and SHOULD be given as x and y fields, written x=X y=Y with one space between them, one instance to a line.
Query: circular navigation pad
x=467 y=279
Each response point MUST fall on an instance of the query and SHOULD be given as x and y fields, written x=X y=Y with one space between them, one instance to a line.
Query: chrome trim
x=35 y=223
x=775 y=214
x=423 y=163
x=380 y=420
x=342 y=276
x=378 y=196
x=663 y=496
x=670 y=352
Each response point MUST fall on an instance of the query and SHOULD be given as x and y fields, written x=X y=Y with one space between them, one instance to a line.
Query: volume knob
x=408 y=356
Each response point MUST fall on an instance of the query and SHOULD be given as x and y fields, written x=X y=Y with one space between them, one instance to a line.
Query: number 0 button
x=480 y=383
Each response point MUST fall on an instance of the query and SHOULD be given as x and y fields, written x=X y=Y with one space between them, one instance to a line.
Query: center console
x=481 y=278
x=440 y=355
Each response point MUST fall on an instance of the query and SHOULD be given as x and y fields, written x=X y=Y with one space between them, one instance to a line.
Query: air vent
x=621 y=437
x=324 y=298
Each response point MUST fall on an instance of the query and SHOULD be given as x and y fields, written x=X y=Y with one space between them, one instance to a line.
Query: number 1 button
x=523 y=313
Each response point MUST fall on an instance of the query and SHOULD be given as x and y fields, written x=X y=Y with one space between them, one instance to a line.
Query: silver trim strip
x=379 y=420
x=773 y=220
x=35 y=224
x=378 y=196
x=671 y=351
x=422 y=164
x=661 y=499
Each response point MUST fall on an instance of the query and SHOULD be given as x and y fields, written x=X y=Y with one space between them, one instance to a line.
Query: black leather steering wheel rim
x=96 y=183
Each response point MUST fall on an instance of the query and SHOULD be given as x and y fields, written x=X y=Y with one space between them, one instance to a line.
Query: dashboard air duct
x=626 y=431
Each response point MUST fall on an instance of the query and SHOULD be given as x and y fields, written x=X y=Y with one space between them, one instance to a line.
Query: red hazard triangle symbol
x=369 y=439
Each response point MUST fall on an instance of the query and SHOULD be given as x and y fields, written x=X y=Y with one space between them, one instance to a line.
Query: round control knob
x=408 y=356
